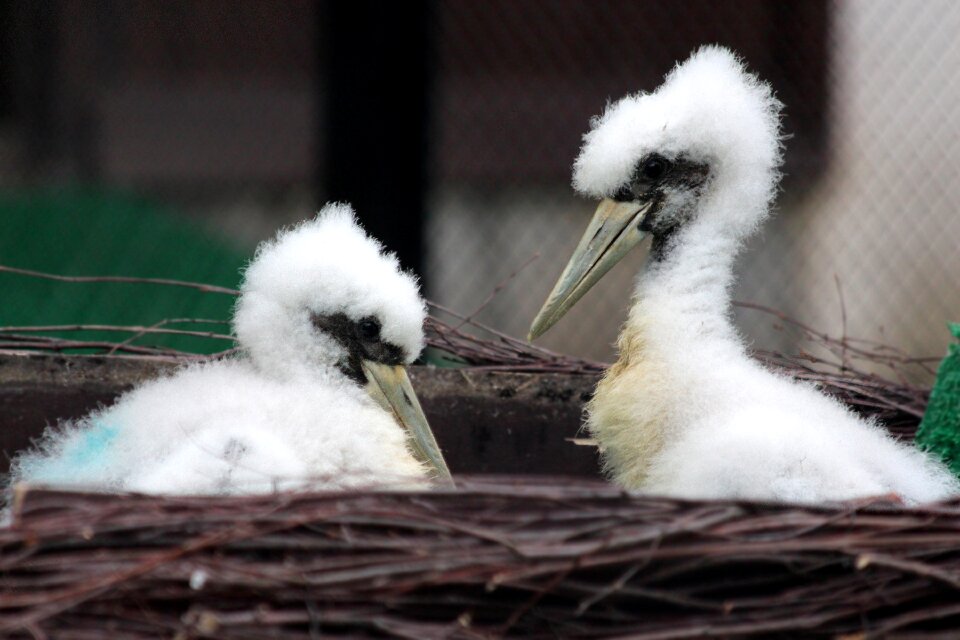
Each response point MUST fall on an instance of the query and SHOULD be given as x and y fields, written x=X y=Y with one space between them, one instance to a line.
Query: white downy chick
x=326 y=321
x=685 y=411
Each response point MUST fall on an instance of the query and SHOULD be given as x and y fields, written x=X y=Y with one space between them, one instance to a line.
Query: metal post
x=377 y=57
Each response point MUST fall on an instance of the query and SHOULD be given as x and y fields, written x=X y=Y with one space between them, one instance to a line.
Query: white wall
x=885 y=221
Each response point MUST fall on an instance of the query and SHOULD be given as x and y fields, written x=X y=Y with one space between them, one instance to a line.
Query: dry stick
x=125 y=345
x=843 y=324
x=498 y=288
x=165 y=322
x=509 y=340
x=508 y=353
x=552 y=584
x=140 y=330
x=897 y=357
x=615 y=586
x=516 y=345
x=513 y=343
x=817 y=589
x=505 y=354
x=846 y=343
x=91 y=590
x=14 y=341
x=921 y=569
x=464 y=319
x=206 y=288
x=868 y=385
x=18 y=344
x=897 y=354
x=932 y=613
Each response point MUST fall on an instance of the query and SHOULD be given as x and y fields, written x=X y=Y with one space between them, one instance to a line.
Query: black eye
x=369 y=329
x=655 y=168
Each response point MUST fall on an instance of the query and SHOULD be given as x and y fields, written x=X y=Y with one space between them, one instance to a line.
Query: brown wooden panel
x=485 y=422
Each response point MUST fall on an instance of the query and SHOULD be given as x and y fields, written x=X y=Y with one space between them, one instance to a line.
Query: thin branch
x=206 y=288
x=163 y=323
x=497 y=289
x=843 y=323
x=140 y=330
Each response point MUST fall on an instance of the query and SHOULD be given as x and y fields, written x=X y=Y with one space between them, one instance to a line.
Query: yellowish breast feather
x=628 y=413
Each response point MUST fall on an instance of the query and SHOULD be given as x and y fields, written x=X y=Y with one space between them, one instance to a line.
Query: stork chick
x=685 y=411
x=326 y=321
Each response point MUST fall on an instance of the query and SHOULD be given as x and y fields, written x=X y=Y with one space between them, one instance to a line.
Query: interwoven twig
x=539 y=558
x=498 y=557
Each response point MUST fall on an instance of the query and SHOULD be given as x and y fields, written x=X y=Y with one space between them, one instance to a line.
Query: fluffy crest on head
x=326 y=265
x=709 y=108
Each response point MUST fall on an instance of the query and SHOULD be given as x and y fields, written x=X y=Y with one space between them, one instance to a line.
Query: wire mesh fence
x=866 y=232
x=218 y=110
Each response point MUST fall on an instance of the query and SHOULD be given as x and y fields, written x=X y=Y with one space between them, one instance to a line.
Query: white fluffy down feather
x=283 y=415
x=686 y=412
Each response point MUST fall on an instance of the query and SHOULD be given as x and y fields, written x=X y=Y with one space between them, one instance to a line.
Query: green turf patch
x=86 y=233
x=940 y=430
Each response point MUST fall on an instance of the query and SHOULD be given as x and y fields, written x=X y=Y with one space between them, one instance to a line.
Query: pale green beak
x=390 y=387
x=613 y=231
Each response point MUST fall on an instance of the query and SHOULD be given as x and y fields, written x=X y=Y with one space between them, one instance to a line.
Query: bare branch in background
x=206 y=288
x=157 y=328
x=498 y=288
x=848 y=372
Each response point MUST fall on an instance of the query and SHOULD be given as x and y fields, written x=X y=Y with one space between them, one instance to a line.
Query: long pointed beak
x=613 y=231
x=392 y=389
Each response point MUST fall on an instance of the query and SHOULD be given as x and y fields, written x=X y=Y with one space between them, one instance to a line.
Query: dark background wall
x=364 y=101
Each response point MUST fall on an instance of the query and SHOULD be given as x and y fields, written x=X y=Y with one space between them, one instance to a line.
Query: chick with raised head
x=685 y=411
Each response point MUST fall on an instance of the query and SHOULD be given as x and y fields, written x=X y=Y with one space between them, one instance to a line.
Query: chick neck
x=678 y=343
x=682 y=302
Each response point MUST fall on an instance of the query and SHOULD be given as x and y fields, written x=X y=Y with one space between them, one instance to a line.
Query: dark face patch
x=362 y=340
x=656 y=177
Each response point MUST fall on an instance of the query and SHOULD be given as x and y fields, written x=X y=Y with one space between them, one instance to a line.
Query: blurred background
x=165 y=139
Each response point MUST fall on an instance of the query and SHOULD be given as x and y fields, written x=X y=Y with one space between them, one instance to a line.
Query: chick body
x=719 y=425
x=292 y=411
x=685 y=411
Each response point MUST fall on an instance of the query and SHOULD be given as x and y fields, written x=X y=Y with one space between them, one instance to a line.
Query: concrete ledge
x=486 y=422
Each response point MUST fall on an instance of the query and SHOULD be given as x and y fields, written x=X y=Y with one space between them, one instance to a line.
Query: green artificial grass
x=939 y=431
x=86 y=233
